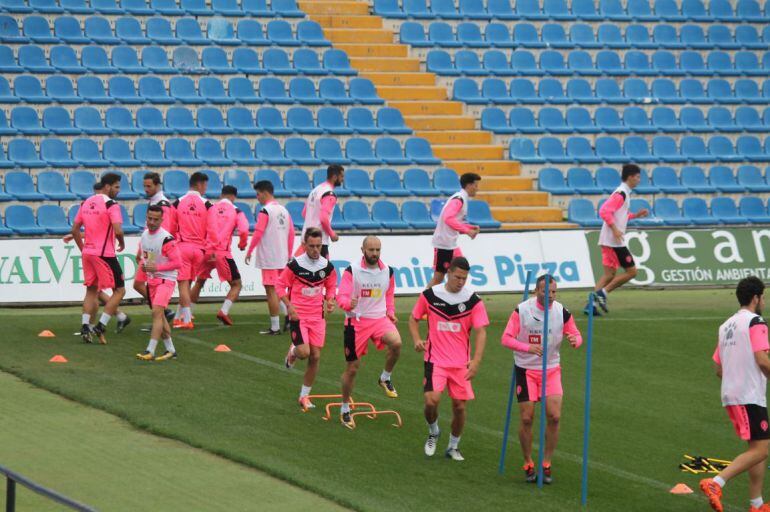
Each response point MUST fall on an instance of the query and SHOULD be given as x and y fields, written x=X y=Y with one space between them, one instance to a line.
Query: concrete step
x=337 y=21
x=426 y=108
x=488 y=167
x=385 y=64
x=411 y=92
x=386 y=78
x=359 y=35
x=532 y=226
x=368 y=50
x=500 y=197
x=450 y=136
x=468 y=152
x=335 y=7
x=440 y=122
x=527 y=214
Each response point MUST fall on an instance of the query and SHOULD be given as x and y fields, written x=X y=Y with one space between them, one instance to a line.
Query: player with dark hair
x=319 y=208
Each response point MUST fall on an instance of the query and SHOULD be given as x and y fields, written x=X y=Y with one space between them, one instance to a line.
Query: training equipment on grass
x=58 y=359
x=680 y=489
x=371 y=413
x=697 y=464
x=47 y=334
x=504 y=448
x=222 y=348
x=587 y=411
x=543 y=395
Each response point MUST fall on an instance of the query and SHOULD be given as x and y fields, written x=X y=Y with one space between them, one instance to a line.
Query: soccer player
x=319 y=208
x=743 y=365
x=450 y=225
x=192 y=219
x=307 y=287
x=223 y=219
x=524 y=334
x=160 y=260
x=367 y=295
x=452 y=311
x=273 y=240
x=102 y=219
x=615 y=214
x=153 y=190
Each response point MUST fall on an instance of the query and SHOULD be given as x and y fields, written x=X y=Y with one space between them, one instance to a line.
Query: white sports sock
x=433 y=428
x=105 y=319
x=169 y=345
x=121 y=316
x=291 y=349
x=275 y=323
x=305 y=391
x=757 y=502
x=186 y=315
x=282 y=307
x=345 y=407
x=604 y=291
x=453 y=441
x=86 y=319
x=178 y=313
x=151 y=346
x=226 y=306
x=719 y=481
x=384 y=376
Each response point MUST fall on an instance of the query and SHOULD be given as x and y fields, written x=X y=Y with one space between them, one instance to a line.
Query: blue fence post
x=541 y=448
x=587 y=412
x=501 y=465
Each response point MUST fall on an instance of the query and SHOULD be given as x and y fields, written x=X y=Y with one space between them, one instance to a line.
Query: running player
x=224 y=218
x=153 y=190
x=524 y=334
x=319 y=208
x=450 y=225
x=615 y=214
x=307 y=287
x=743 y=365
x=102 y=219
x=159 y=259
x=273 y=240
x=452 y=311
x=367 y=295
x=192 y=218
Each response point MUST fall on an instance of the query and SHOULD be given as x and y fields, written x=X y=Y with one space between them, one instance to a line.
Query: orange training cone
x=681 y=489
x=222 y=348
x=46 y=334
x=58 y=359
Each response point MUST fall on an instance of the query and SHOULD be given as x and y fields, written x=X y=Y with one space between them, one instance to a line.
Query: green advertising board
x=693 y=256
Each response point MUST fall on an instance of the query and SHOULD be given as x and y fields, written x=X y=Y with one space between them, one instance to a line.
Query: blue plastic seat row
x=205 y=120
x=588 y=10
x=691 y=179
x=610 y=91
x=159 y=30
x=693 y=211
x=625 y=120
x=581 y=35
x=663 y=148
x=183 y=89
x=607 y=63
x=183 y=60
x=259 y=8
x=118 y=152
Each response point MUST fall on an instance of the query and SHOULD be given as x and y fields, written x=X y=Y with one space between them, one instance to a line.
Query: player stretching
x=524 y=334
x=615 y=214
x=273 y=240
x=367 y=294
x=743 y=365
x=452 y=311
x=160 y=260
x=319 y=208
x=450 y=225
x=102 y=219
x=153 y=190
x=307 y=287
x=192 y=217
x=223 y=219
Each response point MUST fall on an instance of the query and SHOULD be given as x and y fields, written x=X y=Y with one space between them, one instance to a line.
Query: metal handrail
x=10 y=495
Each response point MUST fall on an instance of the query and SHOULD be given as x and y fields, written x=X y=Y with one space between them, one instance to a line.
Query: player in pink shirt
x=192 y=220
x=153 y=191
x=273 y=240
x=452 y=311
x=367 y=295
x=451 y=224
x=319 y=208
x=307 y=287
x=524 y=334
x=224 y=218
x=102 y=219
x=743 y=365
x=159 y=259
x=615 y=212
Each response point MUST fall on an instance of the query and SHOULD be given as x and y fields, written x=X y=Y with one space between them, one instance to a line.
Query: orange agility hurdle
x=353 y=405
x=375 y=413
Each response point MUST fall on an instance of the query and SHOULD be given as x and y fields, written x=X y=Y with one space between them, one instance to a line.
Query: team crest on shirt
x=322 y=274
x=461 y=307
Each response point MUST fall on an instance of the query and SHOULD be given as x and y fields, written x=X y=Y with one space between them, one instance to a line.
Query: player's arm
x=390 y=298
x=511 y=335
x=571 y=330
x=116 y=218
x=212 y=233
x=259 y=230
x=330 y=285
x=242 y=225
x=290 y=242
x=171 y=252
x=285 y=282
x=717 y=361
x=327 y=208
x=345 y=299
x=75 y=232
x=608 y=209
x=420 y=310
x=479 y=321
x=450 y=218
x=759 y=344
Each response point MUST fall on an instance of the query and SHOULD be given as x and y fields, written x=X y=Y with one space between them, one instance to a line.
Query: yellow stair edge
x=318 y=7
x=359 y=35
x=385 y=78
x=385 y=64
x=527 y=214
x=494 y=167
x=437 y=123
x=412 y=93
x=441 y=108
x=368 y=50
x=452 y=136
x=468 y=152
x=338 y=21
x=511 y=198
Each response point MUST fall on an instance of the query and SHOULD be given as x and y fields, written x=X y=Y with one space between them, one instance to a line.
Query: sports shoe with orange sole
x=713 y=492
x=763 y=508
x=186 y=326
x=305 y=403
x=224 y=318
x=177 y=322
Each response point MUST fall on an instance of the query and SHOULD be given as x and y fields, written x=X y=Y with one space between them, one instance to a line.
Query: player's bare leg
x=90 y=309
x=757 y=478
x=274 y=309
x=458 y=424
x=392 y=340
x=621 y=279
x=141 y=289
x=195 y=291
x=432 y=400
x=224 y=313
x=185 y=306
x=601 y=296
x=348 y=381
x=438 y=278
x=313 y=361
x=526 y=415
x=756 y=455
x=553 y=417
x=110 y=309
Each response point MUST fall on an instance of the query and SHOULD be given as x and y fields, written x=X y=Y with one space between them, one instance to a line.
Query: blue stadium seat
x=387 y=214
x=608 y=178
x=721 y=149
x=522 y=120
x=637 y=149
x=269 y=150
x=81 y=183
x=97 y=30
x=22 y=152
x=578 y=91
x=693 y=148
x=241 y=120
x=552 y=181
x=8 y=61
x=9 y=31
x=273 y=177
x=210 y=120
x=613 y=10
x=240 y=180
x=554 y=36
x=150 y=120
x=329 y=151
x=338 y=221
x=608 y=91
x=19 y=185
x=180 y=120
x=723 y=179
x=608 y=149
x=579 y=149
x=52 y=219
x=581 y=181
x=189 y=32
x=550 y=119
x=213 y=90
x=523 y=91
x=692 y=119
x=665 y=149
x=121 y=88
x=209 y=151
x=446 y=181
x=29 y=89
x=388 y=182
x=331 y=120
x=747 y=119
x=37 y=30
x=585 y=10
x=389 y=151
x=500 y=9
x=361 y=120
x=337 y=63
x=529 y=10
x=413 y=33
x=297 y=182
x=86 y=151
x=175 y=183
x=668 y=211
x=466 y=90
x=524 y=36
x=523 y=150
x=608 y=35
x=608 y=121
x=474 y=9
x=417 y=215
x=287 y=9
x=666 y=179
x=419 y=151
x=695 y=180
x=269 y=119
x=550 y=149
x=295 y=211
x=360 y=151
x=149 y=152
x=25 y=120
x=310 y=33
x=580 y=120
x=479 y=214
x=391 y=121
x=582 y=212
x=754 y=209
x=666 y=36
x=118 y=152
x=332 y=90
x=552 y=63
x=64 y=59
x=388 y=9
x=357 y=213
x=582 y=35
x=300 y=120
x=524 y=62
x=418 y=183
x=748 y=147
x=56 y=154
x=725 y=210
x=749 y=177
x=495 y=120
x=21 y=219
x=52 y=185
